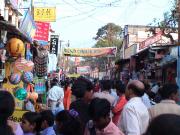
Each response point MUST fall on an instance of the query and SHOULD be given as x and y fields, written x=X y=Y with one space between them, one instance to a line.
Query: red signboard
x=146 y=43
x=42 y=32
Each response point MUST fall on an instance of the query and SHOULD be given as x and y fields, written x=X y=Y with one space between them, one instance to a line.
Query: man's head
x=170 y=91
x=99 y=110
x=82 y=88
x=120 y=88
x=134 y=88
x=106 y=85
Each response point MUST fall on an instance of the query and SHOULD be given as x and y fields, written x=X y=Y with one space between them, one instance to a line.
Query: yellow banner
x=17 y=116
x=91 y=52
x=45 y=14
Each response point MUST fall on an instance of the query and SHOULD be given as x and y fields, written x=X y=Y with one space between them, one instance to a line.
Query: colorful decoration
x=39 y=85
x=27 y=77
x=15 y=78
x=32 y=95
x=15 y=47
x=23 y=65
x=20 y=93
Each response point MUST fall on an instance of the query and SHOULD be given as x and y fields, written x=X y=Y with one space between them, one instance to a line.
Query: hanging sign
x=45 y=14
x=42 y=32
x=54 y=44
x=91 y=52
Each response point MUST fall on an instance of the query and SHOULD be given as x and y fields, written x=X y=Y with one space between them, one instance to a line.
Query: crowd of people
x=103 y=107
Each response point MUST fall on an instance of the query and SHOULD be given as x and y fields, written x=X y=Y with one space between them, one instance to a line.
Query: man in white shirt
x=135 y=116
x=55 y=97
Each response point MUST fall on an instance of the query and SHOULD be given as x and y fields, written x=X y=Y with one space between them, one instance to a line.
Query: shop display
x=41 y=62
x=39 y=85
x=22 y=64
x=27 y=77
x=20 y=93
x=15 y=47
x=15 y=78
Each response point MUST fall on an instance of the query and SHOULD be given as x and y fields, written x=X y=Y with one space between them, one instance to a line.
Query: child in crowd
x=47 y=123
x=69 y=123
x=31 y=123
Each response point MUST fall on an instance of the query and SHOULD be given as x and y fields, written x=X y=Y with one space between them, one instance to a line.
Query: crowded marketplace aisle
x=126 y=82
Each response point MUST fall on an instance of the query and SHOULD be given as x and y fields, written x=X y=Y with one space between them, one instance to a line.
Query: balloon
x=27 y=77
x=15 y=78
x=15 y=47
x=23 y=65
x=20 y=93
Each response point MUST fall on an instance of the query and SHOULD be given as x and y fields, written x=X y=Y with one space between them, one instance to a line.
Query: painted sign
x=91 y=52
x=149 y=41
x=54 y=44
x=28 y=26
x=17 y=116
x=45 y=14
x=83 y=70
x=42 y=32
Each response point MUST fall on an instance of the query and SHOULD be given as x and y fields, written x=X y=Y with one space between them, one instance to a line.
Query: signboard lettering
x=45 y=14
x=54 y=44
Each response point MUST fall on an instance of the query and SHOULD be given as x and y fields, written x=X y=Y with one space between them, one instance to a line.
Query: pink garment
x=110 y=129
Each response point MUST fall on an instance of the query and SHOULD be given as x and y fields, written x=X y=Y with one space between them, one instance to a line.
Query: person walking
x=117 y=109
x=135 y=116
x=55 y=97
x=67 y=95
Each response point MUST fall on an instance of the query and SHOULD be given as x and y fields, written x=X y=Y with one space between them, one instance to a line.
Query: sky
x=79 y=20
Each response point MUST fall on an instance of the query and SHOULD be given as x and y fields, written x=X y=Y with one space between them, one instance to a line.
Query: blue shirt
x=48 y=131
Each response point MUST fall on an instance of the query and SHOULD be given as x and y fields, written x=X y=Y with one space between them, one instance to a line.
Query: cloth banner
x=91 y=52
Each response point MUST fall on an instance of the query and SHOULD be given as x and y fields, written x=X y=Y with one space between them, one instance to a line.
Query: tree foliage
x=169 y=23
x=106 y=36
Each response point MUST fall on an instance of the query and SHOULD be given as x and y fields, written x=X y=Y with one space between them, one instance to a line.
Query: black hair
x=120 y=87
x=168 y=89
x=71 y=125
x=80 y=86
x=66 y=84
x=7 y=106
x=48 y=116
x=137 y=91
x=166 y=124
x=33 y=118
x=99 y=108
x=54 y=82
x=106 y=85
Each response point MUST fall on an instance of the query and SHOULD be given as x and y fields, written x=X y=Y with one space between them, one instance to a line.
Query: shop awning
x=13 y=31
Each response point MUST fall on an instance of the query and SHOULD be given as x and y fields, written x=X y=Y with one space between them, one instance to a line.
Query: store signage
x=42 y=32
x=54 y=44
x=83 y=70
x=91 y=52
x=149 y=41
x=28 y=26
x=45 y=14
x=130 y=51
x=17 y=115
